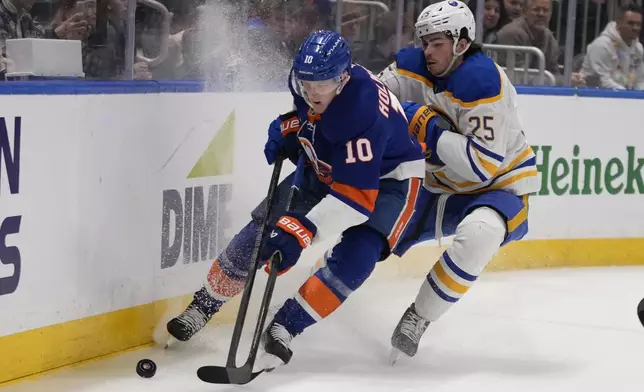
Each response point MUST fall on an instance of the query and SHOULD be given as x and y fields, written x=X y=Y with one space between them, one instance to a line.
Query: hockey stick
x=231 y=374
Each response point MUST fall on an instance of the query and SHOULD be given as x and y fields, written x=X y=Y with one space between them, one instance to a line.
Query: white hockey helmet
x=450 y=16
x=454 y=19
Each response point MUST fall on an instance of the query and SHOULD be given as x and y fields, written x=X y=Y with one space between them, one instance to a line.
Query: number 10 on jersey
x=359 y=150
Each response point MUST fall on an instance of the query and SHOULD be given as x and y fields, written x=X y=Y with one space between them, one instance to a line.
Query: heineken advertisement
x=571 y=171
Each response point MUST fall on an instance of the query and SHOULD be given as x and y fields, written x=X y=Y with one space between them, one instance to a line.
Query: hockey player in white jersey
x=480 y=169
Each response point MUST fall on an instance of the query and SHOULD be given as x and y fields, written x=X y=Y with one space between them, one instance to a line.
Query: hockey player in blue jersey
x=364 y=176
x=480 y=168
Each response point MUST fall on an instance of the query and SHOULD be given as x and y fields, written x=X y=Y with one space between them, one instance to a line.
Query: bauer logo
x=10 y=135
x=194 y=219
x=571 y=172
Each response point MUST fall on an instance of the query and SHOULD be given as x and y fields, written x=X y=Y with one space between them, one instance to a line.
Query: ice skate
x=407 y=334
x=276 y=351
x=195 y=317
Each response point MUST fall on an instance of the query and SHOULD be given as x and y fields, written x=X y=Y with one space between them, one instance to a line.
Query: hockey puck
x=146 y=368
x=640 y=311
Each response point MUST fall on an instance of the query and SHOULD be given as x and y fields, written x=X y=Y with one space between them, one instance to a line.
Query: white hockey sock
x=478 y=237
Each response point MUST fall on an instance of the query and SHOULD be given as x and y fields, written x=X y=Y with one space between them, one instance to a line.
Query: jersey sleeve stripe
x=490 y=168
x=414 y=76
x=440 y=183
x=518 y=161
x=524 y=161
x=530 y=162
x=514 y=178
x=464 y=184
x=473 y=104
x=363 y=200
x=487 y=152
x=473 y=165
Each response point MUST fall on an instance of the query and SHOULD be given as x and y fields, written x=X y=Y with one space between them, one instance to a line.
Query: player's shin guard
x=477 y=238
x=226 y=279
x=346 y=267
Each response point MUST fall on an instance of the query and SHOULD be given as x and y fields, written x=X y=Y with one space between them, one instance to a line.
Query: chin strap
x=343 y=82
x=455 y=57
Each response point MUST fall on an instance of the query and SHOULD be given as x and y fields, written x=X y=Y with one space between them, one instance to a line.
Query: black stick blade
x=224 y=375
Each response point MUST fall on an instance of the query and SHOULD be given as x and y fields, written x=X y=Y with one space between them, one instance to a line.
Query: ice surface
x=539 y=330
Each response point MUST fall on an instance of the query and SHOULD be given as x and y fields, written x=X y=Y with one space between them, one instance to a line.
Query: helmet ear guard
x=343 y=81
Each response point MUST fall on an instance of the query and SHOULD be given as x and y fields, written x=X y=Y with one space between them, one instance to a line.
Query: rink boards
x=114 y=200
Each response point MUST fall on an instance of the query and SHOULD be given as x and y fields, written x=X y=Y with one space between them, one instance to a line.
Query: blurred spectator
x=493 y=12
x=532 y=30
x=17 y=22
x=105 y=61
x=301 y=18
x=379 y=53
x=148 y=39
x=288 y=22
x=513 y=10
x=614 y=59
x=580 y=23
x=236 y=53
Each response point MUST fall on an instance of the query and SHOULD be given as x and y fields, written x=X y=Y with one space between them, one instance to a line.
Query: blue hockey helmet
x=324 y=55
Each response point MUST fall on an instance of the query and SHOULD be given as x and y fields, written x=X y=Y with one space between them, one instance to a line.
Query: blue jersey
x=361 y=138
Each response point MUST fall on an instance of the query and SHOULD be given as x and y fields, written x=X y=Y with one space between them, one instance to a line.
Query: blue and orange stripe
x=362 y=200
x=406 y=213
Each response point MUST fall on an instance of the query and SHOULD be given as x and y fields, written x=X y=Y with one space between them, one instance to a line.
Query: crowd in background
x=214 y=39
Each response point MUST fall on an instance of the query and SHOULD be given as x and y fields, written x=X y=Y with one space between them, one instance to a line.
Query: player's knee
x=478 y=238
x=353 y=259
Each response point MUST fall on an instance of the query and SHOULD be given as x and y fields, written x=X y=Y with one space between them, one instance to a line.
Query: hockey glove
x=277 y=132
x=427 y=126
x=289 y=237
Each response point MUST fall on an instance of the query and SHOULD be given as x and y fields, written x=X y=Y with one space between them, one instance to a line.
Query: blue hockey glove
x=427 y=126
x=289 y=237
x=277 y=131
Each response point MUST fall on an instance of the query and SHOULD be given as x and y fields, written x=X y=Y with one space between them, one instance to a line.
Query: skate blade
x=170 y=342
x=160 y=335
x=394 y=356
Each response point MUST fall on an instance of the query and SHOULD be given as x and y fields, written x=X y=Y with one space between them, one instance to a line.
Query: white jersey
x=489 y=150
